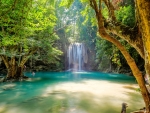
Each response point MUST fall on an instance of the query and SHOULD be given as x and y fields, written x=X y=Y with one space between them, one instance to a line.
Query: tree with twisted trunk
x=138 y=37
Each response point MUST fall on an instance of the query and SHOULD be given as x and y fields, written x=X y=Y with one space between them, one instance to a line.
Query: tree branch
x=26 y=57
x=5 y=60
x=111 y=9
x=124 y=32
x=99 y=5
x=95 y=7
x=91 y=4
x=130 y=35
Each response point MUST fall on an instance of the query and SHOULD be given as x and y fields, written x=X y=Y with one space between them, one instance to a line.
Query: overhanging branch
x=130 y=35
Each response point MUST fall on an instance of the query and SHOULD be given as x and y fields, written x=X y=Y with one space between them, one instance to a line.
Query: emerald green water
x=70 y=92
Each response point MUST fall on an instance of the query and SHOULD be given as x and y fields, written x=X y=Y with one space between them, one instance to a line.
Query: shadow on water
x=70 y=92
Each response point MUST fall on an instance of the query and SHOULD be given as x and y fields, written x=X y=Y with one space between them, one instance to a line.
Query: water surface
x=70 y=92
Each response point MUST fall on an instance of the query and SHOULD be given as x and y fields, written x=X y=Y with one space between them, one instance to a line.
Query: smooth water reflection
x=70 y=92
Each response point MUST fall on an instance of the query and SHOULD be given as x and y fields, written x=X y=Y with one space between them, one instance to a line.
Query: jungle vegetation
x=41 y=29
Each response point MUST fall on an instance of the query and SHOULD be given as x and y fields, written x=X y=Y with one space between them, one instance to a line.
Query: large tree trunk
x=143 y=17
x=13 y=70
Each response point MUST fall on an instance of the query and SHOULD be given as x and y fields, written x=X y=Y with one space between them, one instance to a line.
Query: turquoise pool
x=70 y=92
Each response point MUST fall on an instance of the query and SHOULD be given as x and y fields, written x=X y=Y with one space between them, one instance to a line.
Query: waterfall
x=77 y=56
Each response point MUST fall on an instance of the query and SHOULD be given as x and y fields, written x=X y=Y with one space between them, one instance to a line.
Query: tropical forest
x=74 y=56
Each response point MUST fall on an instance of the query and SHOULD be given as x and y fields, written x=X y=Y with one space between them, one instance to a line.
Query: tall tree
x=137 y=36
x=26 y=28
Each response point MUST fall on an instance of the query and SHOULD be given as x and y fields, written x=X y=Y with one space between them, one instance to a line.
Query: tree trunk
x=136 y=72
x=143 y=17
x=13 y=70
x=19 y=72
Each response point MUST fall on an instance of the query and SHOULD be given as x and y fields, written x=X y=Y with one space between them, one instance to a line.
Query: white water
x=77 y=56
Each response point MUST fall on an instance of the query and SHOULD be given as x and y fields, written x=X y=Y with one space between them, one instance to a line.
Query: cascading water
x=77 y=56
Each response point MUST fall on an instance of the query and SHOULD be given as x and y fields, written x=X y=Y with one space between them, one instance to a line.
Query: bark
x=12 y=67
x=5 y=60
x=136 y=72
x=143 y=16
x=14 y=72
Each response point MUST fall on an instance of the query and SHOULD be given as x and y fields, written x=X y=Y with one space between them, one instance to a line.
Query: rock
x=124 y=106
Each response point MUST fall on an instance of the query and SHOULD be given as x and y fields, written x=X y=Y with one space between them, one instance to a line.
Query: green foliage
x=26 y=25
x=66 y=3
x=83 y=28
x=81 y=21
x=106 y=52
x=84 y=1
x=105 y=12
x=88 y=14
x=125 y=15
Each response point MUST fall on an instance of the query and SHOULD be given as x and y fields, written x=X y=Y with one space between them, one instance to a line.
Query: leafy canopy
x=27 y=25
